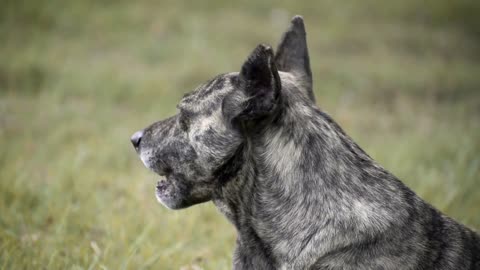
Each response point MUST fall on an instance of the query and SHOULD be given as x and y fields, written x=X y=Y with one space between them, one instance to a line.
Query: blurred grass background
x=77 y=78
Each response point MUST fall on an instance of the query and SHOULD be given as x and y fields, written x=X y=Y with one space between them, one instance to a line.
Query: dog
x=300 y=193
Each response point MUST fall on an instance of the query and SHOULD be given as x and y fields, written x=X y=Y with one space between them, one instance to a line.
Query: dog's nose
x=136 y=138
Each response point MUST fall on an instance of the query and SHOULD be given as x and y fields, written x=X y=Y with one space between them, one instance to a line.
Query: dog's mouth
x=167 y=191
x=162 y=171
x=163 y=180
x=165 y=188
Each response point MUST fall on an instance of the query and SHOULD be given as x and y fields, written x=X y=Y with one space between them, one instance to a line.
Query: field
x=77 y=78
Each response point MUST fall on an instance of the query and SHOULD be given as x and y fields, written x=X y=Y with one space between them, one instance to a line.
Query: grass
x=78 y=78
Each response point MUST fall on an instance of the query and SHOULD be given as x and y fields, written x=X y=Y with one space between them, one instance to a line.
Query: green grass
x=77 y=79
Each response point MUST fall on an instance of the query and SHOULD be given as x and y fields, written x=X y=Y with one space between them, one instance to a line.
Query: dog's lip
x=161 y=178
x=161 y=188
x=161 y=185
x=162 y=172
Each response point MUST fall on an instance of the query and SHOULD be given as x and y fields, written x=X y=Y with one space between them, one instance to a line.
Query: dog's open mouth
x=164 y=186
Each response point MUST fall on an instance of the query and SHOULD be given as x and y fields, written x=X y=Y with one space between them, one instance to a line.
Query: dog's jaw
x=164 y=189
x=163 y=192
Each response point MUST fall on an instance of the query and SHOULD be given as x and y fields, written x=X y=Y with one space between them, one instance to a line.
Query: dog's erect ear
x=260 y=73
x=292 y=54
x=259 y=84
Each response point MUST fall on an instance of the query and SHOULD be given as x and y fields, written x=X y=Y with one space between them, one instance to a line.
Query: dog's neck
x=298 y=172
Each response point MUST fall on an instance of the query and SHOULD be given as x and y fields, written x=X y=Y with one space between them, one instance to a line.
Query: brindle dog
x=299 y=191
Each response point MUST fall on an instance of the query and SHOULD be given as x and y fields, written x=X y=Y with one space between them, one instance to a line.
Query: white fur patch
x=282 y=155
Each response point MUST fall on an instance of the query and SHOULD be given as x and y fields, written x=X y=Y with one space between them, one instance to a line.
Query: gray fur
x=292 y=55
x=299 y=191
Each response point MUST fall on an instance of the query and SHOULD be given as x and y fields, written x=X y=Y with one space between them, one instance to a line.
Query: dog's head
x=197 y=149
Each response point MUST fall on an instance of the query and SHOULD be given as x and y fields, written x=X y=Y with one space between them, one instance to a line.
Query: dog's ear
x=292 y=54
x=259 y=86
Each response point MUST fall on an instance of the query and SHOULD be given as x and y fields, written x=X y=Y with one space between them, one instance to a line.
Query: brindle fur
x=299 y=191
